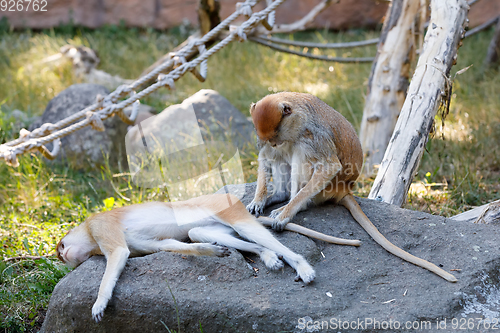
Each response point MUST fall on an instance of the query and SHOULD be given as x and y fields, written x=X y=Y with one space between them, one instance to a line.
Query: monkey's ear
x=252 y=108
x=286 y=109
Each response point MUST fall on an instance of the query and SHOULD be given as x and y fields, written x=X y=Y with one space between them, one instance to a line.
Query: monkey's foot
x=275 y=213
x=221 y=251
x=279 y=220
x=214 y=250
x=271 y=260
x=98 y=309
x=305 y=273
x=256 y=207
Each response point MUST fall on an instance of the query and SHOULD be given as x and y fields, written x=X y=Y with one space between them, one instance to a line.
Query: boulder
x=87 y=147
x=190 y=139
x=206 y=115
x=218 y=119
x=356 y=288
x=145 y=112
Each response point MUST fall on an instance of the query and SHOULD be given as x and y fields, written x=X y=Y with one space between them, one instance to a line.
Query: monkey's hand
x=257 y=207
x=213 y=250
x=280 y=221
x=221 y=251
x=98 y=308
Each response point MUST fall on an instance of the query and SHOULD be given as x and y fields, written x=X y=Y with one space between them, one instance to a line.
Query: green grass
x=39 y=203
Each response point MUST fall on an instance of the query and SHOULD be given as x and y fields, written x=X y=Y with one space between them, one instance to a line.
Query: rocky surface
x=87 y=147
x=208 y=113
x=203 y=117
x=170 y=13
x=219 y=119
x=353 y=285
x=189 y=139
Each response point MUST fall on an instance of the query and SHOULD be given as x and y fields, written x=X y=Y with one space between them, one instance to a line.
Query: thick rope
x=310 y=45
x=272 y=42
x=107 y=106
x=309 y=55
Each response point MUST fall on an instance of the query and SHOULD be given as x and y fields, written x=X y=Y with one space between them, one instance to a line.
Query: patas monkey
x=156 y=226
x=313 y=155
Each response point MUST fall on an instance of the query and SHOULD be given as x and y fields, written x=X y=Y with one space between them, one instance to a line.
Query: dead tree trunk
x=493 y=56
x=430 y=83
x=485 y=214
x=388 y=80
x=208 y=15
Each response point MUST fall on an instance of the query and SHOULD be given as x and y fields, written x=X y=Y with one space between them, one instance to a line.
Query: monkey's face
x=274 y=120
x=72 y=249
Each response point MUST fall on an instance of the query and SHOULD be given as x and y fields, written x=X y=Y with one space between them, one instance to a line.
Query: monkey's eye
x=62 y=246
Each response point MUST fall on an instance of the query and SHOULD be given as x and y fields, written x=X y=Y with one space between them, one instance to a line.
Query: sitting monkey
x=313 y=155
x=142 y=229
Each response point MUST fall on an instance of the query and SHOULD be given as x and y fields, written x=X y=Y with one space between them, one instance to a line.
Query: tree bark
x=485 y=214
x=388 y=80
x=430 y=83
x=493 y=57
x=208 y=15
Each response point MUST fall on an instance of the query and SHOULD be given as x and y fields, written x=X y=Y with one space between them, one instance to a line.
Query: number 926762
x=23 y=5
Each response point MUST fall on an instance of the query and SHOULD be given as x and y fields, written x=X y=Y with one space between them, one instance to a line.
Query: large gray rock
x=86 y=147
x=224 y=295
x=203 y=117
x=219 y=119
x=190 y=139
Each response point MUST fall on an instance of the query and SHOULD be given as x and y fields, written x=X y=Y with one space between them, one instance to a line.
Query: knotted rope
x=109 y=105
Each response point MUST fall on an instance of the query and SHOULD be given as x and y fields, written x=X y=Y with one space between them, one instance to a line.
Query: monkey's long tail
x=267 y=221
x=350 y=203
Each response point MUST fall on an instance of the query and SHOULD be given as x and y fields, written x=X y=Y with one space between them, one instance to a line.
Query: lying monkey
x=313 y=155
x=151 y=227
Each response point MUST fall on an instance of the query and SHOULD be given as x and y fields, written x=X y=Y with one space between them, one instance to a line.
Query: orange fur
x=266 y=117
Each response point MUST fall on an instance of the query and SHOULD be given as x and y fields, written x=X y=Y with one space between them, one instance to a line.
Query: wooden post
x=208 y=15
x=208 y=18
x=429 y=84
x=389 y=80
x=493 y=57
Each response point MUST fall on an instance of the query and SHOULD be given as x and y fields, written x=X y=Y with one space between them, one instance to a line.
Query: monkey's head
x=75 y=247
x=276 y=119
